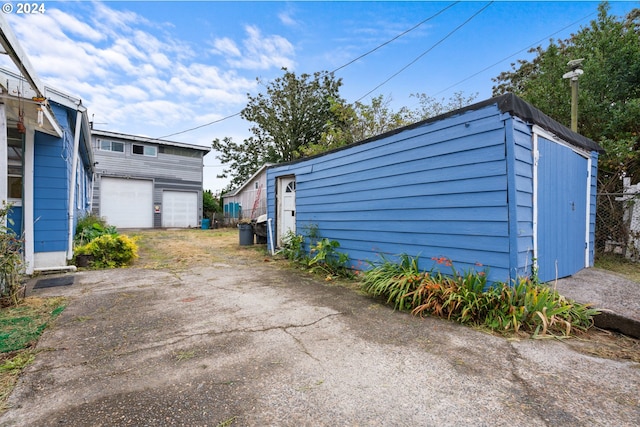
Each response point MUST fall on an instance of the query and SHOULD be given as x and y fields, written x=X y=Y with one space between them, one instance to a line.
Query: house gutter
x=74 y=173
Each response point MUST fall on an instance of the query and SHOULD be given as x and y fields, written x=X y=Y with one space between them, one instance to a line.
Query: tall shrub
x=11 y=260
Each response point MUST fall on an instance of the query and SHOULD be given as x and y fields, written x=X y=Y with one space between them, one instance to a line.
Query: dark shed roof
x=510 y=103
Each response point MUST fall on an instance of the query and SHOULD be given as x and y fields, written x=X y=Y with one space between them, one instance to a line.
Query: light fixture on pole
x=576 y=71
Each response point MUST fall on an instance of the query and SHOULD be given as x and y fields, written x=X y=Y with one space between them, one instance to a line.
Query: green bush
x=465 y=297
x=91 y=226
x=323 y=256
x=327 y=259
x=110 y=251
x=293 y=247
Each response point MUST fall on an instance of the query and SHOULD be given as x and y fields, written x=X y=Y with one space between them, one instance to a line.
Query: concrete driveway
x=249 y=343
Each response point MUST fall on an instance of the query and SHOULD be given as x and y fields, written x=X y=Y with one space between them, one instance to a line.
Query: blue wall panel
x=437 y=190
x=461 y=188
x=52 y=163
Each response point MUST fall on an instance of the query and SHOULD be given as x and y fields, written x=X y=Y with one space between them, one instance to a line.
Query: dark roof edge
x=510 y=103
x=507 y=103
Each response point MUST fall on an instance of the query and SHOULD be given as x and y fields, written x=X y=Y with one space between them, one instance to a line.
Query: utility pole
x=576 y=71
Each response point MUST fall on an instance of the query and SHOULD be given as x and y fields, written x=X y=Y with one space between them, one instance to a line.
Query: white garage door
x=179 y=209
x=127 y=203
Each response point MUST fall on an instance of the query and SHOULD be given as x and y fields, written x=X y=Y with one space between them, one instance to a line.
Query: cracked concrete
x=255 y=345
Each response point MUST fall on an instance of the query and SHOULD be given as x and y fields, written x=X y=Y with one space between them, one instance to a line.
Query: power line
x=339 y=68
x=201 y=126
x=515 y=53
x=395 y=38
x=425 y=52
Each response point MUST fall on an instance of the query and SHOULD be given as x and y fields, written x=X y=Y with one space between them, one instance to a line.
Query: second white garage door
x=179 y=209
x=127 y=203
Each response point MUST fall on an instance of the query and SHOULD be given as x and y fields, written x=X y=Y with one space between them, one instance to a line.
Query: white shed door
x=179 y=209
x=286 y=208
x=127 y=203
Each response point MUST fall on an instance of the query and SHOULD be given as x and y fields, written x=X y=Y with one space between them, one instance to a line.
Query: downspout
x=74 y=173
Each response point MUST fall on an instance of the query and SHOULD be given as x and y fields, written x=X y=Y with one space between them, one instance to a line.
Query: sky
x=179 y=69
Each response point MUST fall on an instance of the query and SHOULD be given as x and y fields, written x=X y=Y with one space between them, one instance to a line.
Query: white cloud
x=287 y=18
x=226 y=46
x=74 y=26
x=259 y=53
x=136 y=77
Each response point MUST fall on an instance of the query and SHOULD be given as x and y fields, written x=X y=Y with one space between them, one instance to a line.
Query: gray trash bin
x=246 y=234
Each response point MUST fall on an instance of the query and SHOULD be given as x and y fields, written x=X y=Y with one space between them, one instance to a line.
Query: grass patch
x=20 y=328
x=184 y=249
x=620 y=265
x=10 y=369
x=22 y=325
x=185 y=355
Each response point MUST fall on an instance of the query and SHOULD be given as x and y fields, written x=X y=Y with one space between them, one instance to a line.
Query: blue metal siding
x=436 y=190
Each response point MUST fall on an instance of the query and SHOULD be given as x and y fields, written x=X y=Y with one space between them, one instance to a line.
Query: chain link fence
x=618 y=225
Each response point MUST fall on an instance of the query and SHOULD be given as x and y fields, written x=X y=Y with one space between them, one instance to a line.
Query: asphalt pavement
x=252 y=344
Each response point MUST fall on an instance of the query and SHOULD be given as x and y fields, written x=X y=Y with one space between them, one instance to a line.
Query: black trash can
x=246 y=234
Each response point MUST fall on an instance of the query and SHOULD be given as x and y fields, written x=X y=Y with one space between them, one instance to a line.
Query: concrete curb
x=607 y=319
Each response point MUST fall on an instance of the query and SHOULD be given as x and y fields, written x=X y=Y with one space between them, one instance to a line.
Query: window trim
x=144 y=150
x=110 y=150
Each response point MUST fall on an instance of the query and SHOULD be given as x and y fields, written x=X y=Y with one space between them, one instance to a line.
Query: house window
x=117 y=147
x=179 y=151
x=14 y=163
x=145 y=150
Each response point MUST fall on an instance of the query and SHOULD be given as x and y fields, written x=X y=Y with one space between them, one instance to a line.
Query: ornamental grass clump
x=467 y=297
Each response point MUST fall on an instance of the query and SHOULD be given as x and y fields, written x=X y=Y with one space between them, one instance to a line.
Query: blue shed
x=497 y=184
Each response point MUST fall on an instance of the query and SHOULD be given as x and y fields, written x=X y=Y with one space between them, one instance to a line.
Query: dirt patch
x=607 y=344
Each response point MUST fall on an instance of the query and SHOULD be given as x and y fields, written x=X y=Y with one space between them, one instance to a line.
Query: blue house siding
x=436 y=190
x=51 y=192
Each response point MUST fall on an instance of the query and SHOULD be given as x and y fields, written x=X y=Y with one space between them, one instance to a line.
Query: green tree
x=210 y=205
x=359 y=121
x=293 y=114
x=432 y=107
x=609 y=89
